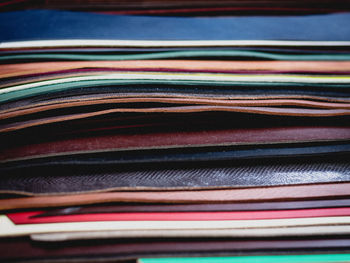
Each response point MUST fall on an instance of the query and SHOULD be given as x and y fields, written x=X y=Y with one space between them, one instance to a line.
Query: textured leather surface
x=172 y=156
x=297 y=192
x=59 y=179
x=188 y=154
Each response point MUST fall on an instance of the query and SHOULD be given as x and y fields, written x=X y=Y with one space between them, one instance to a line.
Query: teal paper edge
x=254 y=259
x=182 y=54
x=45 y=89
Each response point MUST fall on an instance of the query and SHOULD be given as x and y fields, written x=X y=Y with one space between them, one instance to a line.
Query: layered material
x=175 y=139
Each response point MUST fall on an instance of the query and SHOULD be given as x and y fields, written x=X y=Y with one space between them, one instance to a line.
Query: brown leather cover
x=129 y=208
x=14 y=70
x=303 y=112
x=307 y=101
x=259 y=194
x=45 y=106
x=176 y=139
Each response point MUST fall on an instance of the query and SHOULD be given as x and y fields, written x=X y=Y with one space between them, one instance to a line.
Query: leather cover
x=118 y=142
x=16 y=70
x=177 y=176
x=39 y=107
x=297 y=192
x=186 y=155
x=145 y=208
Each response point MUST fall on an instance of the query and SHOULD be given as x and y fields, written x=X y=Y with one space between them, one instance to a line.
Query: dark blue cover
x=50 y=24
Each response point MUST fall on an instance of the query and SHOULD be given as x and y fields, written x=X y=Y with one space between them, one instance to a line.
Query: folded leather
x=45 y=103
x=86 y=72
x=135 y=123
x=302 y=112
x=182 y=155
x=251 y=206
x=103 y=178
x=212 y=88
x=185 y=81
x=199 y=77
x=119 y=142
x=296 y=192
x=178 y=74
x=16 y=70
x=66 y=103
